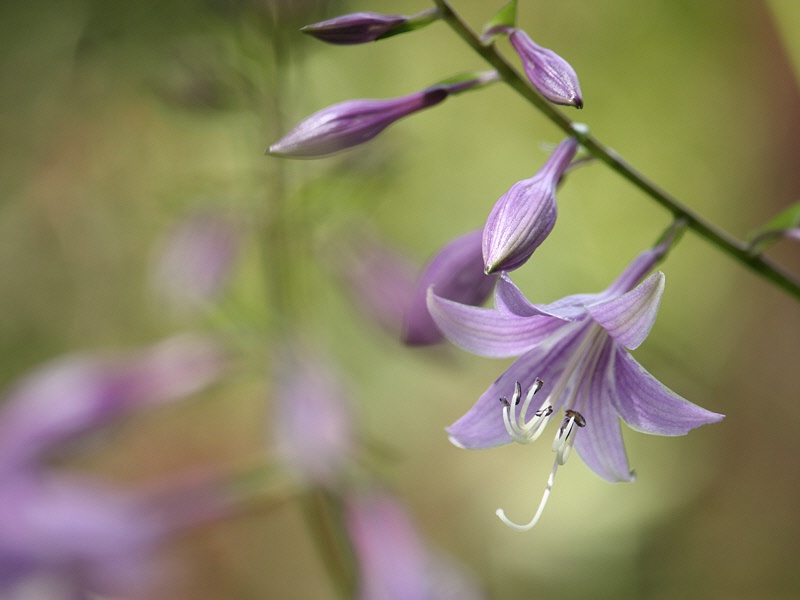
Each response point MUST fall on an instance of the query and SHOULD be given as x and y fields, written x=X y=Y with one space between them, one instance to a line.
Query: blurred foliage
x=118 y=118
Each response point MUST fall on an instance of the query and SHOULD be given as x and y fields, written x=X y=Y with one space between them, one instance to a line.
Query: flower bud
x=356 y=28
x=457 y=274
x=550 y=74
x=351 y=123
x=525 y=215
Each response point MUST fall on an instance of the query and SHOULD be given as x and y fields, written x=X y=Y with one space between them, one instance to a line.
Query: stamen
x=517 y=428
x=530 y=525
x=565 y=436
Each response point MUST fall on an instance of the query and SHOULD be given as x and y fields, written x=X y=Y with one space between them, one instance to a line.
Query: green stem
x=721 y=239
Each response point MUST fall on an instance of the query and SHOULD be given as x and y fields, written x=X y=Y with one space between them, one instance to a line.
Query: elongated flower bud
x=524 y=216
x=356 y=28
x=550 y=74
x=351 y=123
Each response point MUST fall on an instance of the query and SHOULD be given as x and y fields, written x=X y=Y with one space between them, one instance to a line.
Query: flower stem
x=725 y=242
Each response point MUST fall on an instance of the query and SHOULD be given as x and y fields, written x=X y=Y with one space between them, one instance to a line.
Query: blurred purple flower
x=196 y=260
x=456 y=272
x=69 y=531
x=525 y=215
x=575 y=351
x=313 y=423
x=355 y=28
x=550 y=74
x=394 y=562
x=351 y=123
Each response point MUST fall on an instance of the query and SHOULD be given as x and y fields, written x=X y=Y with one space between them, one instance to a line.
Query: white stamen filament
x=527 y=527
x=521 y=431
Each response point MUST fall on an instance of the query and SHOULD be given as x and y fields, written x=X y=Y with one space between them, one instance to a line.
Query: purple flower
x=313 y=422
x=196 y=260
x=351 y=123
x=394 y=562
x=71 y=531
x=456 y=272
x=356 y=28
x=573 y=352
x=550 y=74
x=525 y=215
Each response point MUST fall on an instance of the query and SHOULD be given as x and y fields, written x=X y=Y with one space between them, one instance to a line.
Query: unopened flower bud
x=525 y=215
x=356 y=28
x=550 y=74
x=351 y=123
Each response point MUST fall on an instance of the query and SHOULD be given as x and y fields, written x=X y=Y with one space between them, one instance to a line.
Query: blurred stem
x=721 y=239
x=323 y=513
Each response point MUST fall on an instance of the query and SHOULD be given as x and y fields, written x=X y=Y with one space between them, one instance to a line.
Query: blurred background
x=119 y=120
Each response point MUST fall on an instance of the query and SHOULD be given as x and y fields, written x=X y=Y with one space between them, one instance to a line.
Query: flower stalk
x=725 y=242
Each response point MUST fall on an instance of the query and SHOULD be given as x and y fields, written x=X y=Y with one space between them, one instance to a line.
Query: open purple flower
x=351 y=123
x=71 y=531
x=574 y=352
x=525 y=215
x=550 y=74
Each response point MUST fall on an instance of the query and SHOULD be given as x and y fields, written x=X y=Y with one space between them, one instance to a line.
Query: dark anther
x=579 y=420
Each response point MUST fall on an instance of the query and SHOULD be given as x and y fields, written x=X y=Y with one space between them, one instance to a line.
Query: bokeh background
x=118 y=119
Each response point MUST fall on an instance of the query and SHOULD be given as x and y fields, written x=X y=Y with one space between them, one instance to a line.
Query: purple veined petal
x=355 y=28
x=647 y=405
x=350 y=124
x=457 y=274
x=510 y=300
x=524 y=216
x=482 y=426
x=78 y=393
x=550 y=74
x=633 y=273
x=630 y=317
x=487 y=332
x=600 y=443
x=313 y=422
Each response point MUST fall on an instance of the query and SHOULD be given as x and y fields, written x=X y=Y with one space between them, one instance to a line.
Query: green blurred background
x=119 y=118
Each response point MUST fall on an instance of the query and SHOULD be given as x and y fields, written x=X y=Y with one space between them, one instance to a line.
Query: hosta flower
x=73 y=532
x=313 y=422
x=525 y=215
x=550 y=74
x=574 y=357
x=456 y=272
x=394 y=561
x=351 y=123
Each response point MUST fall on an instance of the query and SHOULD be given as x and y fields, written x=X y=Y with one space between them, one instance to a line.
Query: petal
x=628 y=318
x=647 y=405
x=509 y=299
x=600 y=443
x=487 y=332
x=482 y=426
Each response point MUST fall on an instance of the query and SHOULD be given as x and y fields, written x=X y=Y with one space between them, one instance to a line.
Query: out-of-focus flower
x=525 y=215
x=195 y=261
x=575 y=351
x=355 y=28
x=394 y=562
x=69 y=531
x=550 y=74
x=351 y=123
x=456 y=272
x=312 y=420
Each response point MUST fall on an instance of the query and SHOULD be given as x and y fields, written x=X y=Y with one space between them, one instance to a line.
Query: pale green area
x=118 y=118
